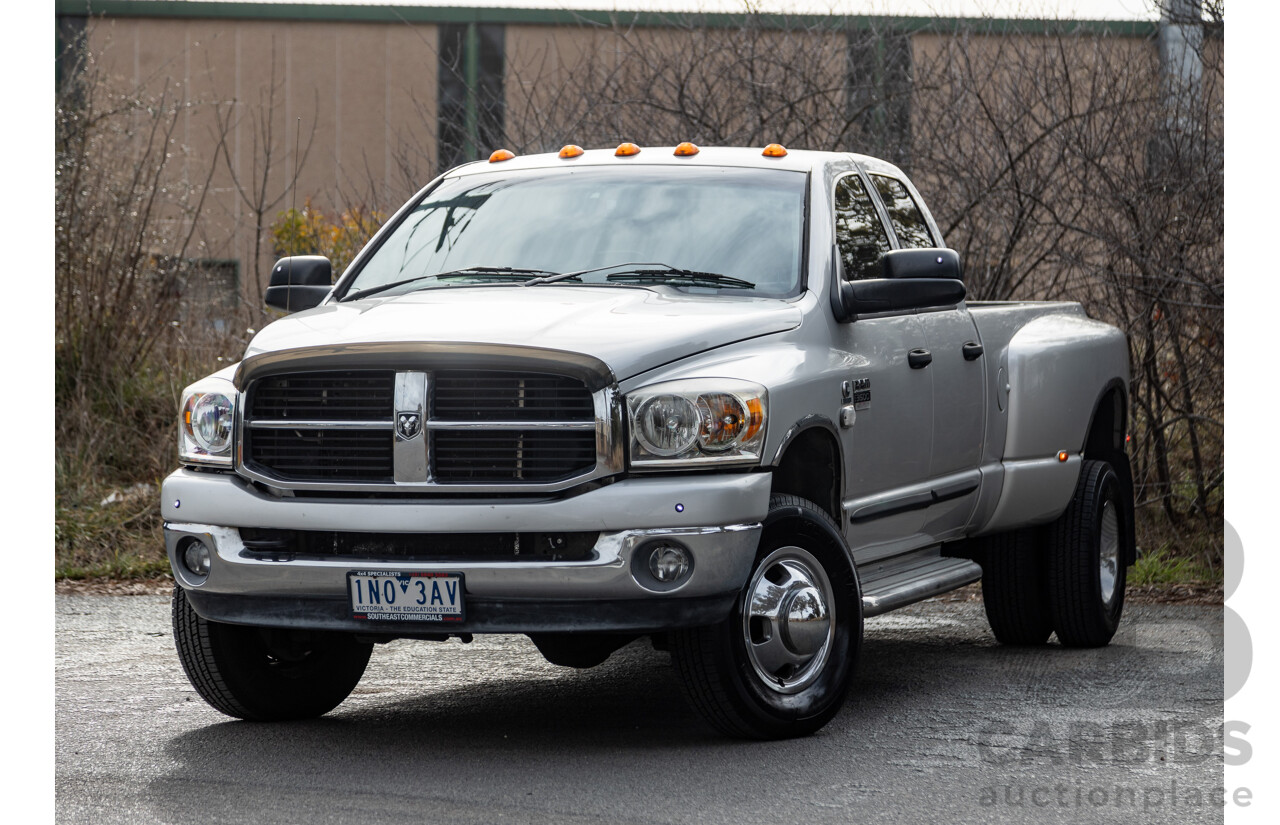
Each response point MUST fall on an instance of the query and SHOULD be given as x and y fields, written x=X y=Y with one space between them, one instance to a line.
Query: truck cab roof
x=799 y=160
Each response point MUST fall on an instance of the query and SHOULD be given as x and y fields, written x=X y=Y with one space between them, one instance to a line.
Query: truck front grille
x=476 y=427
x=509 y=396
x=509 y=456
x=340 y=396
x=301 y=454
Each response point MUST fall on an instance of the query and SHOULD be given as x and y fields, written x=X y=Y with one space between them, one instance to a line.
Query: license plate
x=382 y=596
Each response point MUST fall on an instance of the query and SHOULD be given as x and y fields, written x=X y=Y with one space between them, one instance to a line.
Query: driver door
x=888 y=443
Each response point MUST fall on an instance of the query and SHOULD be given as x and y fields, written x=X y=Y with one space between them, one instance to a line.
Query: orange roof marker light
x=626 y=150
x=686 y=150
x=570 y=151
x=501 y=155
x=775 y=150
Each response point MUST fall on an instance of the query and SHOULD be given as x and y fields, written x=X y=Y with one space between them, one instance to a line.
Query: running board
x=901 y=580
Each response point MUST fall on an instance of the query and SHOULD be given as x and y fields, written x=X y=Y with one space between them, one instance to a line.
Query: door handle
x=971 y=351
x=919 y=358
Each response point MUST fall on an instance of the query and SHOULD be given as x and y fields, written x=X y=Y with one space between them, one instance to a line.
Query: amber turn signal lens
x=755 y=418
x=626 y=150
x=686 y=149
x=571 y=151
x=1063 y=455
x=775 y=150
x=723 y=420
x=501 y=155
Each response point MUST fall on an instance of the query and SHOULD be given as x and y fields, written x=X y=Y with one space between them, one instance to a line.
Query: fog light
x=196 y=558
x=668 y=563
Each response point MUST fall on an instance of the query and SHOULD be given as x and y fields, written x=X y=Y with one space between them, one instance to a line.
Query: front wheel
x=780 y=665
x=266 y=674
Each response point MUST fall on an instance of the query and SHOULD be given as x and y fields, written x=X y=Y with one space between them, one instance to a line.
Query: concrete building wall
x=350 y=108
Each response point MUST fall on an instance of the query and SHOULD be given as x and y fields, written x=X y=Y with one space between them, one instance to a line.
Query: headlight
x=206 y=423
x=697 y=421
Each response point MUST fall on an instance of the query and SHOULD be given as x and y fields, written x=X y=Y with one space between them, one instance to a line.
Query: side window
x=908 y=222
x=859 y=233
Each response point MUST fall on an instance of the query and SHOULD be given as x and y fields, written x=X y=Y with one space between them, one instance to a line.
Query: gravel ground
x=943 y=725
x=1202 y=593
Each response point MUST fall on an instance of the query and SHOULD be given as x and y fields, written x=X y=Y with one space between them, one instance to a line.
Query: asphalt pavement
x=944 y=725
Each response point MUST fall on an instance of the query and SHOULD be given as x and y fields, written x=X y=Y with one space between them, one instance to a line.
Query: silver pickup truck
x=734 y=401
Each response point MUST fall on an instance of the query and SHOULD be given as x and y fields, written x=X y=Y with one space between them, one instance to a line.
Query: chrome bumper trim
x=195 y=497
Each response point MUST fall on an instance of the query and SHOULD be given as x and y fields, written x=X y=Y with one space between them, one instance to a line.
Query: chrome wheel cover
x=1109 y=553
x=788 y=620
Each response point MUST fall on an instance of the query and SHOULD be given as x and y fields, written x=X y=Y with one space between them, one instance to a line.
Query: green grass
x=1160 y=567
x=120 y=540
x=121 y=567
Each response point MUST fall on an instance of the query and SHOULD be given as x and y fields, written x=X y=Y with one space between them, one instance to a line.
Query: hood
x=630 y=329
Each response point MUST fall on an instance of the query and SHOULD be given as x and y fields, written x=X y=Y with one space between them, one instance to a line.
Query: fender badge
x=861 y=394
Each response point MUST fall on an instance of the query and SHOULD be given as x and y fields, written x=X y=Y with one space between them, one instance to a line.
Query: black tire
x=726 y=682
x=264 y=674
x=1014 y=587
x=1079 y=541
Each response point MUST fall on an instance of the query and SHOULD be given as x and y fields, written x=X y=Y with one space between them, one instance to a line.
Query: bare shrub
x=761 y=81
x=274 y=164
x=1064 y=165
x=125 y=229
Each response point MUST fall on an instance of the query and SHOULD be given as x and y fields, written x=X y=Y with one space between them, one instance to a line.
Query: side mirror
x=300 y=282
x=888 y=296
x=920 y=263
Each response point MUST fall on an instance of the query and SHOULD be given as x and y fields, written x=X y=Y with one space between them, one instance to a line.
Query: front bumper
x=717 y=517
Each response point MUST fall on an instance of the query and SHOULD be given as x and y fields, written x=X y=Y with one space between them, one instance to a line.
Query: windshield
x=681 y=226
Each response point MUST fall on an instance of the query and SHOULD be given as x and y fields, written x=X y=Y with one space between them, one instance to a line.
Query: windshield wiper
x=665 y=274
x=504 y=272
x=564 y=276
x=648 y=272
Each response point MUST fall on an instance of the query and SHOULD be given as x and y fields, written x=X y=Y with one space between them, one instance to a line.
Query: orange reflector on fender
x=685 y=150
x=1063 y=456
x=501 y=155
x=571 y=151
x=626 y=150
x=775 y=150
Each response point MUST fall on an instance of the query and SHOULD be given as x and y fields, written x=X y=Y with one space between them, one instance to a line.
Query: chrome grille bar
x=511 y=425
x=412 y=446
x=301 y=424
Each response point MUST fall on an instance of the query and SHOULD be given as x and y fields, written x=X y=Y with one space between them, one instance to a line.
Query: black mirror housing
x=299 y=282
x=887 y=296
x=921 y=263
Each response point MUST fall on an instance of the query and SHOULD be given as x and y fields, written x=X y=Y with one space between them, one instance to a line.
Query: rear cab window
x=904 y=213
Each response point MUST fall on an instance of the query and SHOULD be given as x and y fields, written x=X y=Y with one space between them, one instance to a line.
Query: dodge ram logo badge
x=408 y=425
